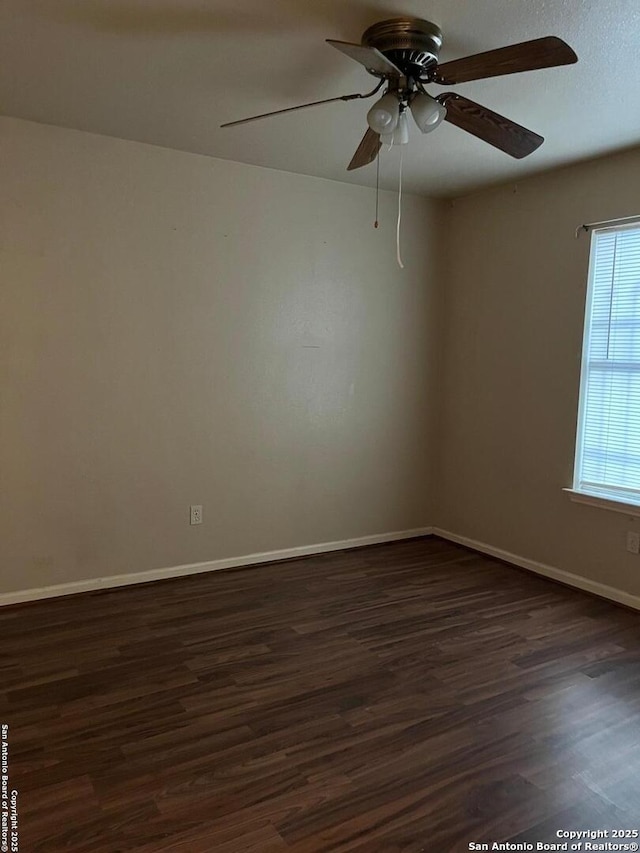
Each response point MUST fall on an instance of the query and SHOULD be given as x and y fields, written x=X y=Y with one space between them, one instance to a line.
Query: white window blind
x=608 y=443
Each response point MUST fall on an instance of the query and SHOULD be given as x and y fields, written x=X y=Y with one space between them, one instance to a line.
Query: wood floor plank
x=414 y=696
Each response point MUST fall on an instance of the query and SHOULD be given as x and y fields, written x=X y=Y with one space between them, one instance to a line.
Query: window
x=608 y=441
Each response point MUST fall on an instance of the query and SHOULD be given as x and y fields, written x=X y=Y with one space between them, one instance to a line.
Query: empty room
x=319 y=426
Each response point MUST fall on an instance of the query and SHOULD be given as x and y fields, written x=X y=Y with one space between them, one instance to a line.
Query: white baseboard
x=577 y=581
x=248 y=560
x=211 y=566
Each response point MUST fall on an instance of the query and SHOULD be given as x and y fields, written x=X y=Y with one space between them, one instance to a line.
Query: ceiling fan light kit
x=400 y=134
x=427 y=112
x=384 y=114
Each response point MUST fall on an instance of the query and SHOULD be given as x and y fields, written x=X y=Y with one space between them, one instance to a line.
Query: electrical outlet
x=196 y=514
x=633 y=542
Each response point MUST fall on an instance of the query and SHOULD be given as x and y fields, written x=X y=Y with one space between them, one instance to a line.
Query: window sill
x=613 y=504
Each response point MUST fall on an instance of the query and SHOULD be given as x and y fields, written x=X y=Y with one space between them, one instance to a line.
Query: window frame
x=613 y=499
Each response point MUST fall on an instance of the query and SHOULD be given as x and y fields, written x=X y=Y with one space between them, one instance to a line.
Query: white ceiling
x=170 y=71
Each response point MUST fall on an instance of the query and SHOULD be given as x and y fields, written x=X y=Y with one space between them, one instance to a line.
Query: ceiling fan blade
x=546 y=52
x=302 y=107
x=367 y=151
x=370 y=57
x=491 y=127
x=286 y=110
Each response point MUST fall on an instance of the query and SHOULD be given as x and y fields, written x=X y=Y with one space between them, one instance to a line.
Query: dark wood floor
x=406 y=697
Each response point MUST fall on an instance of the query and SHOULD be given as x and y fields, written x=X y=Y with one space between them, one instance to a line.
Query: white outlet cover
x=195 y=514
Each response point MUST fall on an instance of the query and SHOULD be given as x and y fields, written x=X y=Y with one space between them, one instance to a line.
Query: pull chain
x=375 y=224
x=400 y=264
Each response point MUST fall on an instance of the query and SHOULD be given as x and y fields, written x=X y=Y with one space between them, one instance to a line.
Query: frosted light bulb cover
x=401 y=133
x=427 y=112
x=383 y=115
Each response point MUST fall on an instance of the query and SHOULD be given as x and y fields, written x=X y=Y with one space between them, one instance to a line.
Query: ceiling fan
x=403 y=54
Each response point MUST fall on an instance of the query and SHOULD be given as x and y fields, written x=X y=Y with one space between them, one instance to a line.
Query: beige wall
x=514 y=308
x=177 y=329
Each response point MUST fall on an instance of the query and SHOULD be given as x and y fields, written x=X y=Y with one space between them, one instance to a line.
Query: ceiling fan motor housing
x=412 y=44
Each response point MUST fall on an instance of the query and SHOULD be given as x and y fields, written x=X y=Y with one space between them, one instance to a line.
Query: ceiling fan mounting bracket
x=412 y=44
